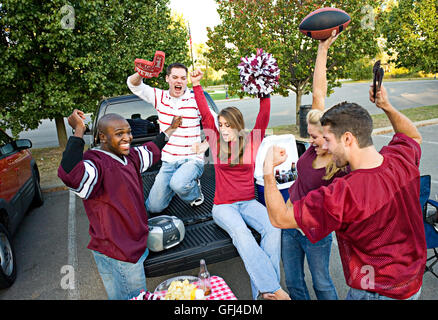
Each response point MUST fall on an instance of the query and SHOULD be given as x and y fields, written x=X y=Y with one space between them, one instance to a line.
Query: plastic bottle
x=204 y=277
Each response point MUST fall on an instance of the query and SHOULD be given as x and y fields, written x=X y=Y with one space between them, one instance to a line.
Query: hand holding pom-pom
x=259 y=73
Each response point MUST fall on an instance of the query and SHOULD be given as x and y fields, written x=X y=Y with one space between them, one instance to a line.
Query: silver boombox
x=165 y=232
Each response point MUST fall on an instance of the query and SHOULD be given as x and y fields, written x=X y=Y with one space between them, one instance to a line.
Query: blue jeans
x=261 y=262
x=356 y=294
x=294 y=247
x=122 y=280
x=179 y=177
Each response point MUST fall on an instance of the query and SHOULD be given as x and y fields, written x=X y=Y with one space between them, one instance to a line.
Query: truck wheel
x=8 y=264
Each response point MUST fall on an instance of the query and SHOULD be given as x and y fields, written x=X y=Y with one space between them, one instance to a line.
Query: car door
x=9 y=170
x=23 y=163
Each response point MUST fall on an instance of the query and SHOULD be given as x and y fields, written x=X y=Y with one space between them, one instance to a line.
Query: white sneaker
x=200 y=200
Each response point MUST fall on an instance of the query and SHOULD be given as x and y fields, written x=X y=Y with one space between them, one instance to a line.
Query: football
x=320 y=23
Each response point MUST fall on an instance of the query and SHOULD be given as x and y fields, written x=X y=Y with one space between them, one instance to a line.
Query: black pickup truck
x=203 y=238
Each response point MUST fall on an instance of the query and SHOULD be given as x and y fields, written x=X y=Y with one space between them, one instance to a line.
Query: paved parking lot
x=56 y=235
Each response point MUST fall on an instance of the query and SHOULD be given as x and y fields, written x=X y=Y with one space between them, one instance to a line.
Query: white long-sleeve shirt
x=179 y=145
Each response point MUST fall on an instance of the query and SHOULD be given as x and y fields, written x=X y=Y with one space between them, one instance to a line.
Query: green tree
x=273 y=25
x=411 y=31
x=57 y=57
x=202 y=62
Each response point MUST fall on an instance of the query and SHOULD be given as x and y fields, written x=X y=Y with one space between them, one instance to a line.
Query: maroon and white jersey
x=112 y=193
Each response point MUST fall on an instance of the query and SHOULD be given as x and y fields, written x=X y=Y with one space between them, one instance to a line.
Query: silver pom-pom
x=259 y=73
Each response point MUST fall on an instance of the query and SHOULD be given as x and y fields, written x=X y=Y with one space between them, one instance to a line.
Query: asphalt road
x=51 y=247
x=403 y=94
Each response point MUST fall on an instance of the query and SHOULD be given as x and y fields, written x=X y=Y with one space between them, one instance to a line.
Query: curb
x=417 y=124
x=231 y=100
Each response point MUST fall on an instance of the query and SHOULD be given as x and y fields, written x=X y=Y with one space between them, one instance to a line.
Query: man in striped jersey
x=181 y=166
x=108 y=179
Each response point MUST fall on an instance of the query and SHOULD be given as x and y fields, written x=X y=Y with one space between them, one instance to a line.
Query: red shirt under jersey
x=378 y=221
x=234 y=183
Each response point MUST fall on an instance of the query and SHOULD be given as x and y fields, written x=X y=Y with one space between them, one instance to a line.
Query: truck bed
x=203 y=238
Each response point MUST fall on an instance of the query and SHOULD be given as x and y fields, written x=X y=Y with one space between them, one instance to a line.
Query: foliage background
x=48 y=69
x=274 y=26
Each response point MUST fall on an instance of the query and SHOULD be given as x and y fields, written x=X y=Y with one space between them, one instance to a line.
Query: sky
x=200 y=14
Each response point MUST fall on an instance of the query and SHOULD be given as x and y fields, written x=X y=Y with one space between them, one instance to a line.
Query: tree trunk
x=60 y=130
x=298 y=96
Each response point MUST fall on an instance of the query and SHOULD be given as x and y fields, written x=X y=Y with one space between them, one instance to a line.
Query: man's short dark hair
x=350 y=117
x=176 y=65
x=104 y=122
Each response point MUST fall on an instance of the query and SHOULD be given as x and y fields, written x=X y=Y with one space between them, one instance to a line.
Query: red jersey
x=233 y=183
x=112 y=193
x=378 y=221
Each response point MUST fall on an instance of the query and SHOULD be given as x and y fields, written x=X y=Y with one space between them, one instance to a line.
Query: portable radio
x=165 y=232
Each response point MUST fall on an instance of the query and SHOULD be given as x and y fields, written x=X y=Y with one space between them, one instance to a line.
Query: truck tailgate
x=203 y=238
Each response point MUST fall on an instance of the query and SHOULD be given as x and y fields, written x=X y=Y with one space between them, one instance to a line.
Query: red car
x=19 y=190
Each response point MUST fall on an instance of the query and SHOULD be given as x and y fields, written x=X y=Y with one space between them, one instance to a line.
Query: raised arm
x=140 y=89
x=207 y=118
x=135 y=79
x=81 y=176
x=262 y=120
x=73 y=152
x=400 y=123
x=280 y=214
x=319 y=90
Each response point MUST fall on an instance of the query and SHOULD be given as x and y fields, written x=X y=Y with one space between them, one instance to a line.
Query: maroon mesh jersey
x=112 y=193
x=378 y=221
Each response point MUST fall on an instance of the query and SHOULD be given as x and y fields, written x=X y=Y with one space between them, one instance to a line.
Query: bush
x=402 y=73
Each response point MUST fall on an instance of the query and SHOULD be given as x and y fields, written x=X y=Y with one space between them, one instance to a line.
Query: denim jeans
x=295 y=246
x=179 y=177
x=122 y=280
x=356 y=294
x=262 y=262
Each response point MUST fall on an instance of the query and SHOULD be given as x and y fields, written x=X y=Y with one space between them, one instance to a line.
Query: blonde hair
x=313 y=117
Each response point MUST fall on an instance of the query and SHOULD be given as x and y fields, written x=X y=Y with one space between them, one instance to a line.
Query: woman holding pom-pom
x=235 y=207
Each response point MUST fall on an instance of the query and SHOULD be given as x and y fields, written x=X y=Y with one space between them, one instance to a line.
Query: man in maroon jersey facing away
x=108 y=179
x=374 y=210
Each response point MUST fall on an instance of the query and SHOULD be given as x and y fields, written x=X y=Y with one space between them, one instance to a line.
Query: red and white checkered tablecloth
x=220 y=290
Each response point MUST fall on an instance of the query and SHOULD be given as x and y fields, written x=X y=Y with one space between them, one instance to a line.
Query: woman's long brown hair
x=235 y=119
